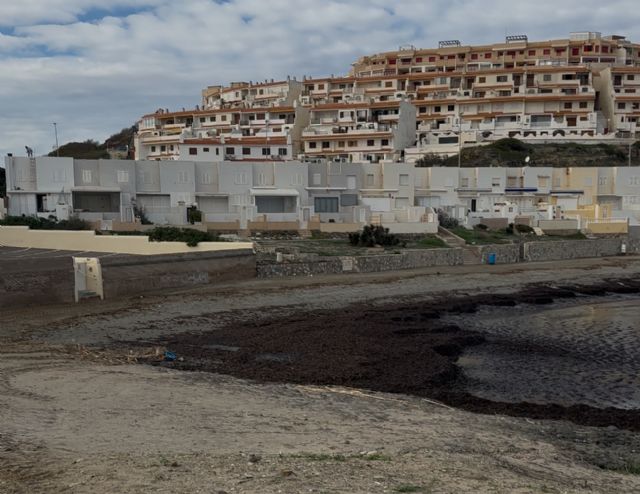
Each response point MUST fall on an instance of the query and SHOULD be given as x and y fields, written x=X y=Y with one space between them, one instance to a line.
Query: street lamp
x=55 y=129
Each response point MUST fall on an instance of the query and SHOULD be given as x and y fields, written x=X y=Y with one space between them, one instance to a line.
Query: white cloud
x=94 y=74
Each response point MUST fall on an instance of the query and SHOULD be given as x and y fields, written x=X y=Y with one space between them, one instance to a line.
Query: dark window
x=621 y=106
x=282 y=152
x=371 y=142
x=451 y=108
x=163 y=149
x=502 y=78
x=437 y=109
x=326 y=145
x=349 y=200
x=312 y=145
x=568 y=106
x=385 y=142
x=266 y=151
x=153 y=149
x=217 y=151
x=326 y=204
x=583 y=104
x=246 y=151
x=205 y=150
x=193 y=151
x=230 y=151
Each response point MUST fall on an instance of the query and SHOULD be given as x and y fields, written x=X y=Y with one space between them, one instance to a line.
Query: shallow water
x=584 y=351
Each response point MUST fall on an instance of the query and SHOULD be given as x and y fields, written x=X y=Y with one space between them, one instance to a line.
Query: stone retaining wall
x=505 y=254
x=363 y=264
x=571 y=249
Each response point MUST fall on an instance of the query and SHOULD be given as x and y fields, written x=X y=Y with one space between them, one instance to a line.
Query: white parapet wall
x=88 y=241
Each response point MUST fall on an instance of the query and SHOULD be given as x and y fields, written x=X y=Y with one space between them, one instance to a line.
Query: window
x=171 y=147
x=532 y=53
x=621 y=106
x=326 y=144
x=193 y=151
x=546 y=78
x=482 y=80
x=317 y=179
x=487 y=55
x=246 y=151
x=352 y=144
x=502 y=78
x=326 y=205
x=568 y=106
x=313 y=145
x=404 y=179
x=123 y=176
x=388 y=84
x=230 y=151
x=212 y=119
x=634 y=181
x=474 y=56
x=203 y=119
x=384 y=142
x=223 y=118
x=496 y=182
x=451 y=108
x=543 y=182
x=153 y=149
x=583 y=104
x=163 y=149
x=282 y=152
x=266 y=151
x=183 y=177
x=437 y=109
x=86 y=176
x=371 y=142
x=464 y=182
x=217 y=151
x=206 y=178
x=602 y=180
x=631 y=77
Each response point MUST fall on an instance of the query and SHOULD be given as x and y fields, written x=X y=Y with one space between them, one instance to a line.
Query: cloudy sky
x=95 y=66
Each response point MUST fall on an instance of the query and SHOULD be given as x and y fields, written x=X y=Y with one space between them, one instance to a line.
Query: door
x=351 y=182
x=474 y=205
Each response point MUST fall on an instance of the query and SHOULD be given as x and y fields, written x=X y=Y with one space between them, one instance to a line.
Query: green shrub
x=188 y=235
x=447 y=221
x=482 y=227
x=523 y=228
x=194 y=215
x=50 y=223
x=372 y=235
x=509 y=229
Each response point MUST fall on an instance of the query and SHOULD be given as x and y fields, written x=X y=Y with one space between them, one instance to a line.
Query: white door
x=351 y=182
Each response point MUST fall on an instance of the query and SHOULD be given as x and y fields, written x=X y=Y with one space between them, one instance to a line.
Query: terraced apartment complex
x=401 y=105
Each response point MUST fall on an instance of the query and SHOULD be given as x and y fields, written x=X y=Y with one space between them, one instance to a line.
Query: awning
x=275 y=192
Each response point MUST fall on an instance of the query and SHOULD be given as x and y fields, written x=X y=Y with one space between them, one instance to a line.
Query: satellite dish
x=527 y=159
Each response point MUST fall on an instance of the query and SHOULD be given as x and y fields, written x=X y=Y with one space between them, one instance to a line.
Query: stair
x=470 y=256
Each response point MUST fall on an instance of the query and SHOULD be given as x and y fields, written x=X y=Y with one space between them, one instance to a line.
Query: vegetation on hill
x=118 y=144
x=513 y=152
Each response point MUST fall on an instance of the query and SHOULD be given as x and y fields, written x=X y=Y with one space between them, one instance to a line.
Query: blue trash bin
x=492 y=259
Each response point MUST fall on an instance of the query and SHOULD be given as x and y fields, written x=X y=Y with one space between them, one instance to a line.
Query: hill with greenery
x=118 y=145
x=513 y=152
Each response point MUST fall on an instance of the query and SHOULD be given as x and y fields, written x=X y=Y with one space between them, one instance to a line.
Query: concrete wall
x=51 y=280
x=130 y=276
x=571 y=249
x=364 y=264
x=36 y=282
x=18 y=236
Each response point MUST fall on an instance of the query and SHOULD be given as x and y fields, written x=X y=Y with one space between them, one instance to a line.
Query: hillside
x=512 y=152
x=116 y=146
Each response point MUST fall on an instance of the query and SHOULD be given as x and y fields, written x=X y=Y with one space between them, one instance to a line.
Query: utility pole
x=55 y=129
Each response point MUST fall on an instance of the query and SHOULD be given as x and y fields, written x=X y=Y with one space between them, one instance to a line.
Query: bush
x=447 y=221
x=194 y=215
x=50 y=223
x=509 y=229
x=372 y=235
x=188 y=235
x=524 y=228
x=481 y=227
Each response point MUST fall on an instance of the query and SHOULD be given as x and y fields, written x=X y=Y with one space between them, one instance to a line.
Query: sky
x=95 y=69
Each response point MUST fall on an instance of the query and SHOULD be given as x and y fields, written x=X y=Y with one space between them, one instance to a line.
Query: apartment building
x=411 y=102
x=231 y=195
